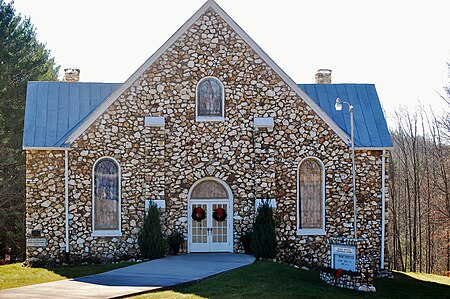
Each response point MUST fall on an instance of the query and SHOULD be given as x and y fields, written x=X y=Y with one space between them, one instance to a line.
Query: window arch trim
x=107 y=233
x=204 y=118
x=311 y=231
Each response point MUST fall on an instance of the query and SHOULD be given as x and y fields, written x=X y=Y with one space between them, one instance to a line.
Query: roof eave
x=374 y=148
x=45 y=148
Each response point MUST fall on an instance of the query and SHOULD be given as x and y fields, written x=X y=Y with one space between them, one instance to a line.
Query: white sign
x=155 y=121
x=341 y=249
x=263 y=122
x=37 y=242
x=344 y=257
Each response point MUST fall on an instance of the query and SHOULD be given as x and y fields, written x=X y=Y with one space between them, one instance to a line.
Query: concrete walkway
x=162 y=273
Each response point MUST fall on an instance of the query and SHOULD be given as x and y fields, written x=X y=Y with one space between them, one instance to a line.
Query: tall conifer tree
x=264 y=243
x=151 y=240
x=22 y=58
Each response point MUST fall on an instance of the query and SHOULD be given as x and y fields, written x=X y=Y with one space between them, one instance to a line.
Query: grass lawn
x=271 y=280
x=15 y=275
x=259 y=280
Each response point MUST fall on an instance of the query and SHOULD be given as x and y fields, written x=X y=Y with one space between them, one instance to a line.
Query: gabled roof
x=54 y=109
x=57 y=113
x=371 y=130
x=210 y=4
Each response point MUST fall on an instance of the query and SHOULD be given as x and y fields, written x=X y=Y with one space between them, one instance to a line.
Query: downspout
x=66 y=196
x=383 y=206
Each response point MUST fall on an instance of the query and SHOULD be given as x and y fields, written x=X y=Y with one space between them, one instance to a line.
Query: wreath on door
x=220 y=214
x=198 y=214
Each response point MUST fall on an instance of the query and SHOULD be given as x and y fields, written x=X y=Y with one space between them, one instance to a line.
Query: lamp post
x=338 y=107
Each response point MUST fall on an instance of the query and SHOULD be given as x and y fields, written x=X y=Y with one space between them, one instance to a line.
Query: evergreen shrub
x=264 y=243
x=151 y=241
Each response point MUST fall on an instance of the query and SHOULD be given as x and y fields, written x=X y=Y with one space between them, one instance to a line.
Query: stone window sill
x=107 y=233
x=311 y=232
x=212 y=118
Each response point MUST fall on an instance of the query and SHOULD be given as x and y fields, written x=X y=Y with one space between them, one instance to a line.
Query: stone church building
x=209 y=121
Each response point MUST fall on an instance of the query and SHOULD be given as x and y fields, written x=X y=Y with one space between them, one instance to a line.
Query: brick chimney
x=323 y=76
x=71 y=75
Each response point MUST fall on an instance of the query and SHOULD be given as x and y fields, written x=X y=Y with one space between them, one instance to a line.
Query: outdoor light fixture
x=338 y=107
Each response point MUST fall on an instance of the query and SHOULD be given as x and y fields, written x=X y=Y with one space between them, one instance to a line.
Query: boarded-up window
x=311 y=189
x=209 y=190
x=106 y=195
x=210 y=98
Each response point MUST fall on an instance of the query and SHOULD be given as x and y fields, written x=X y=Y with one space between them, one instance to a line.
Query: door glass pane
x=199 y=229
x=219 y=228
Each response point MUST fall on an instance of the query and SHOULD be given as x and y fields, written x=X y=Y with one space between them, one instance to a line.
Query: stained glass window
x=311 y=194
x=106 y=195
x=210 y=98
x=209 y=190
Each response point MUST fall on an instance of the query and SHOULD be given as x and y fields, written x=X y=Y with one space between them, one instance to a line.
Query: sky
x=400 y=46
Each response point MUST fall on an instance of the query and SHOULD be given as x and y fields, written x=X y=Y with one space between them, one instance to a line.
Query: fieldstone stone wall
x=253 y=162
x=45 y=204
x=313 y=250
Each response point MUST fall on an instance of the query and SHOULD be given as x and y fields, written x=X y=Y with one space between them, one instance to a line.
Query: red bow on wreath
x=338 y=273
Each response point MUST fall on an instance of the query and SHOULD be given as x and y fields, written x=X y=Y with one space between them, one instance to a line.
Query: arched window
x=311 y=197
x=210 y=100
x=209 y=189
x=106 y=201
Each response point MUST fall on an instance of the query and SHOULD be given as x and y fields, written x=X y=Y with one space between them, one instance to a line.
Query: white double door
x=210 y=235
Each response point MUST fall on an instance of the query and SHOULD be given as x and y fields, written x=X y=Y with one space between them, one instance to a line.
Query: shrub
x=151 y=240
x=175 y=240
x=264 y=241
x=246 y=240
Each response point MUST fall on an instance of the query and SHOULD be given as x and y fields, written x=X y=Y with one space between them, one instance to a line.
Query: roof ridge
x=210 y=4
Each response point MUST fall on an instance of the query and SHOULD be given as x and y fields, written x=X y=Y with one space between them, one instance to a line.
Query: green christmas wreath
x=220 y=214
x=198 y=214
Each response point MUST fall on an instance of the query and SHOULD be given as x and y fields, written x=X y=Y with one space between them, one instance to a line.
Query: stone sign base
x=361 y=277
x=345 y=281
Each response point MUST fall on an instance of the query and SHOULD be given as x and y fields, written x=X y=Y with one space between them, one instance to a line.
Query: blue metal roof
x=370 y=125
x=54 y=109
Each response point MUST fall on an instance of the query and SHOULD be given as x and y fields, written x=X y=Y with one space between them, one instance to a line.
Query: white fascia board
x=119 y=91
x=209 y=4
x=263 y=122
x=155 y=121
x=341 y=133
x=43 y=148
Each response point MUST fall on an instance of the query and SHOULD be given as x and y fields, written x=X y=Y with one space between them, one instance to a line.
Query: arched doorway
x=209 y=235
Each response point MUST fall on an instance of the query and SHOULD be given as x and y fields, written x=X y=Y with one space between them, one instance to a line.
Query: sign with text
x=344 y=257
x=37 y=242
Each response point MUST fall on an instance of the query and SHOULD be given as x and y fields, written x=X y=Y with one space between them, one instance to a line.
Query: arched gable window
x=311 y=197
x=210 y=104
x=106 y=198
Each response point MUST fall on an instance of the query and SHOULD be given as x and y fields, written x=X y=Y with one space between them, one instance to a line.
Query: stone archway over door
x=210 y=235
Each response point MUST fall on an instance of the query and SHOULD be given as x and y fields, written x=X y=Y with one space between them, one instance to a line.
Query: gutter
x=66 y=196
x=383 y=206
